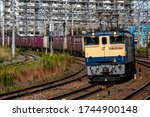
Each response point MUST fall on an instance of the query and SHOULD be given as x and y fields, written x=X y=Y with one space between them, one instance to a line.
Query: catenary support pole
x=13 y=30
x=3 y=24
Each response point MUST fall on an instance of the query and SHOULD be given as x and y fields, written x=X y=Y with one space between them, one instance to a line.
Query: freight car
x=73 y=45
x=109 y=56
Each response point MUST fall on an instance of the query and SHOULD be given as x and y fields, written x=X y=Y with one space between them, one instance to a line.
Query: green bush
x=45 y=69
x=5 y=78
x=141 y=51
x=21 y=50
x=49 y=61
x=5 y=53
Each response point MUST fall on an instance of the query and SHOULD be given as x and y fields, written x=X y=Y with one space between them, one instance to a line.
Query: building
x=33 y=16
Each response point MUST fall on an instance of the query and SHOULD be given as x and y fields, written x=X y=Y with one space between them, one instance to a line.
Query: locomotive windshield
x=91 y=41
x=116 y=39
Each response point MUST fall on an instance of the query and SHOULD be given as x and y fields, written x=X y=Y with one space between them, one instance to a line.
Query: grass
x=5 y=78
x=21 y=50
x=5 y=53
x=27 y=74
x=142 y=51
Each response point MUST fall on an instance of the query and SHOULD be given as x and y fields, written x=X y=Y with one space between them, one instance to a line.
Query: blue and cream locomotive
x=109 y=56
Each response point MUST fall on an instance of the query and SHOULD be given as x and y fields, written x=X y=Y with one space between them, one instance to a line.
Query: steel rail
x=136 y=91
x=143 y=62
x=147 y=98
x=81 y=92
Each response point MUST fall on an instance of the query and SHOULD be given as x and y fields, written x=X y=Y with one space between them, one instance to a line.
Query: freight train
x=109 y=56
x=74 y=44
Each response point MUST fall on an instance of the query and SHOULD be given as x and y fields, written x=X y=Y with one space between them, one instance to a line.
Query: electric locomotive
x=109 y=56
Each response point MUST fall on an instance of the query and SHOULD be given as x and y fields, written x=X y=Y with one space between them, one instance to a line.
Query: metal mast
x=13 y=29
x=3 y=23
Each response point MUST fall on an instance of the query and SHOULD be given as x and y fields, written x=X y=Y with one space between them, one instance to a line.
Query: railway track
x=81 y=92
x=89 y=89
x=42 y=87
x=142 y=91
x=143 y=57
x=147 y=98
x=143 y=62
x=23 y=57
x=72 y=95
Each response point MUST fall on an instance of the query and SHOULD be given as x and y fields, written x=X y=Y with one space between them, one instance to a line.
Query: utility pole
x=65 y=28
x=46 y=38
x=51 y=30
x=0 y=20
x=46 y=35
x=13 y=30
x=3 y=23
x=26 y=19
x=35 y=10
x=138 y=41
x=51 y=37
x=46 y=31
x=72 y=22
x=147 y=36
x=64 y=32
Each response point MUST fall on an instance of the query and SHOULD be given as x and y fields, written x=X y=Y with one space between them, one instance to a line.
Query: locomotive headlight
x=93 y=34
x=115 y=33
x=114 y=61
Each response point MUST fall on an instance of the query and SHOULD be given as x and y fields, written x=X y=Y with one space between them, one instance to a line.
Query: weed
x=36 y=72
x=5 y=78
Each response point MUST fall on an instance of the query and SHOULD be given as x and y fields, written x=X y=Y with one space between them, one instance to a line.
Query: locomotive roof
x=106 y=33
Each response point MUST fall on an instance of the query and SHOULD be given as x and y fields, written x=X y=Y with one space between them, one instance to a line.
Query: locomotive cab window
x=104 y=40
x=117 y=40
x=91 y=41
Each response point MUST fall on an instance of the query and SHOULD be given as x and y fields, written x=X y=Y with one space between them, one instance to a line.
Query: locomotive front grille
x=105 y=71
x=117 y=69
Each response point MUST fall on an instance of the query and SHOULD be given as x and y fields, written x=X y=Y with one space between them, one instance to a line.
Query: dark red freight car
x=36 y=42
